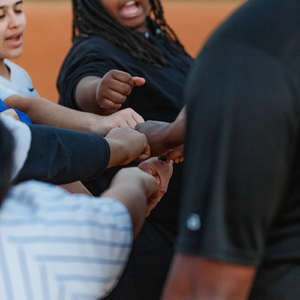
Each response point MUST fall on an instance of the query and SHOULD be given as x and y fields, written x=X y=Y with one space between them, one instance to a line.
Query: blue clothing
x=22 y=116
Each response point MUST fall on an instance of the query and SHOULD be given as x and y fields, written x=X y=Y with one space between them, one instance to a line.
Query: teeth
x=130 y=3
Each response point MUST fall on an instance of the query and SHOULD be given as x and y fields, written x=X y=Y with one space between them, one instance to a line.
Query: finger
x=123 y=77
x=144 y=155
x=173 y=154
x=138 y=118
x=124 y=88
x=108 y=104
x=132 y=117
x=138 y=81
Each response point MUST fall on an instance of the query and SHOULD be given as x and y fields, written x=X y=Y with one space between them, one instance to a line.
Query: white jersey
x=19 y=83
x=57 y=245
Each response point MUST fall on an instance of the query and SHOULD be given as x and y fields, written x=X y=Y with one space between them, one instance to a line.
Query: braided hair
x=91 y=18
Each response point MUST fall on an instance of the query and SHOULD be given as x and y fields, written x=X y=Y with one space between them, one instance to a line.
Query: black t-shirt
x=160 y=98
x=241 y=194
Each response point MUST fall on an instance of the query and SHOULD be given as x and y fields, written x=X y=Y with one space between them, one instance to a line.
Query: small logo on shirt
x=193 y=222
x=31 y=89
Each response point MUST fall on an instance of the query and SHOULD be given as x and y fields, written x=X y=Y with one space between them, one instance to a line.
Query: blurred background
x=49 y=26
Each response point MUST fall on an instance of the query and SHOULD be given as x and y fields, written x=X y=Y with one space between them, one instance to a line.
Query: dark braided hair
x=91 y=18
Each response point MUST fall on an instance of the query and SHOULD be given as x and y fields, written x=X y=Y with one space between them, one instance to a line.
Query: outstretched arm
x=45 y=112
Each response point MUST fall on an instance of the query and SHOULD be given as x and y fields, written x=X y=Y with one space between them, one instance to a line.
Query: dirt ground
x=48 y=36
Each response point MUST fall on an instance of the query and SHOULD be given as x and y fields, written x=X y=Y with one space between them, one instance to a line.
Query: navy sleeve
x=61 y=156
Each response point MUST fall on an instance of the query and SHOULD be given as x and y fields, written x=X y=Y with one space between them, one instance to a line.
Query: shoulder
x=92 y=43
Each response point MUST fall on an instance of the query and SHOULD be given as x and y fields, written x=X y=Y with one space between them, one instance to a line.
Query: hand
x=175 y=155
x=133 y=187
x=12 y=113
x=163 y=136
x=124 y=118
x=126 y=145
x=162 y=173
x=156 y=133
x=114 y=87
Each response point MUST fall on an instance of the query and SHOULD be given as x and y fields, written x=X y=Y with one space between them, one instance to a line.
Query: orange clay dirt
x=49 y=26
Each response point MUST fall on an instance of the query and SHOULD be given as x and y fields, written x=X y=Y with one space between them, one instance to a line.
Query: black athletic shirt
x=241 y=194
x=160 y=98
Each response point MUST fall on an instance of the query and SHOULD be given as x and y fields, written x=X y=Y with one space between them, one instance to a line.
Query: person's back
x=241 y=208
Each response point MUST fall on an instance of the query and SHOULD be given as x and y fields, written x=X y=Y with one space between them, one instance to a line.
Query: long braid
x=158 y=12
x=91 y=18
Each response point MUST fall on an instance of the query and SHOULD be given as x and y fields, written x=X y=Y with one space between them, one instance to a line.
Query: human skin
x=105 y=95
x=196 y=278
x=140 y=189
x=45 y=112
x=12 y=113
x=163 y=136
x=126 y=145
x=12 y=32
x=131 y=14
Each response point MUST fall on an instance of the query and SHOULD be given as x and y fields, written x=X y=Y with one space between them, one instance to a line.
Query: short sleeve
x=87 y=57
x=242 y=132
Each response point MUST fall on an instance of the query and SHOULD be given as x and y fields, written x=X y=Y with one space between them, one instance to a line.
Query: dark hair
x=91 y=18
x=6 y=162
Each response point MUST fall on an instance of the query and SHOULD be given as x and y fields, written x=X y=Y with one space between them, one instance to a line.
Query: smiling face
x=12 y=29
x=131 y=14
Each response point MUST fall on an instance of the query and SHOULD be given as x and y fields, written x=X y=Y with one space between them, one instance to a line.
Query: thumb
x=138 y=81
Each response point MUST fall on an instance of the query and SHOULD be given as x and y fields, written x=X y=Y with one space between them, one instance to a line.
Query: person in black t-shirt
x=240 y=221
x=132 y=37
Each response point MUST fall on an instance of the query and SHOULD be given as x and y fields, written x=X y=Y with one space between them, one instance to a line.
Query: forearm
x=194 y=277
x=86 y=96
x=174 y=134
x=132 y=195
x=44 y=112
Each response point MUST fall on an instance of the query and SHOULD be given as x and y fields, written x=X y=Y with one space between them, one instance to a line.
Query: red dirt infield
x=49 y=25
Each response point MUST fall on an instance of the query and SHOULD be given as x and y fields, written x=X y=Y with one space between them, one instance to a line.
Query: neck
x=4 y=72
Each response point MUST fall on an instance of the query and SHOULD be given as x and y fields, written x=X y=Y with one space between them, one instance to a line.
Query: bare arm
x=45 y=112
x=196 y=278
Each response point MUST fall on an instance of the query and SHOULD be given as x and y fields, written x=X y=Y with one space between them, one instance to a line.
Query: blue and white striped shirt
x=56 y=245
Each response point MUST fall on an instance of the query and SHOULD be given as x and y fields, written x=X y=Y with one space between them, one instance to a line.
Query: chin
x=15 y=54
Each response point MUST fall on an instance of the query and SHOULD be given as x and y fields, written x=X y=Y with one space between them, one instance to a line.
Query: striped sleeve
x=50 y=238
